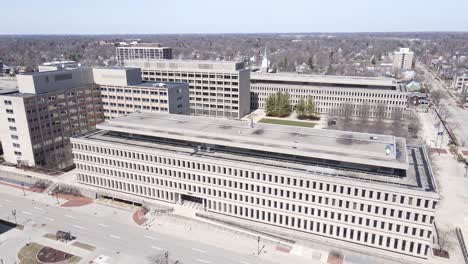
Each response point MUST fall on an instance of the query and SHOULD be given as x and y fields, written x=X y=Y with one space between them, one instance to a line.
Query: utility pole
x=56 y=196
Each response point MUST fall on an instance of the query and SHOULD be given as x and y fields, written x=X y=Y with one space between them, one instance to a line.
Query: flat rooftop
x=193 y=65
x=145 y=45
x=357 y=148
x=329 y=79
x=168 y=85
x=8 y=85
x=418 y=176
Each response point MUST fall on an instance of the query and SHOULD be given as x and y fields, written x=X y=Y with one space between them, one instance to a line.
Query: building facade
x=48 y=109
x=403 y=59
x=459 y=81
x=123 y=92
x=331 y=93
x=217 y=89
x=142 y=51
x=353 y=187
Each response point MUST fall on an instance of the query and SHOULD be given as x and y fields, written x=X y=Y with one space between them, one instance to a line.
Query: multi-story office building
x=48 y=108
x=142 y=51
x=123 y=92
x=403 y=59
x=217 y=88
x=366 y=189
x=331 y=93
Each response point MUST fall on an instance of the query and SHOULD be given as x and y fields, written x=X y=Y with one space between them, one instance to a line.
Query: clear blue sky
x=233 y=16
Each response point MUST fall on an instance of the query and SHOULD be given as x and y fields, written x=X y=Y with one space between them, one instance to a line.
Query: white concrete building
x=142 y=51
x=331 y=93
x=403 y=59
x=123 y=92
x=459 y=81
x=365 y=189
x=217 y=88
x=48 y=108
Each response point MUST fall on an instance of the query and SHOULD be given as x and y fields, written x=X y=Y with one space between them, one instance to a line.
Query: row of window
x=274 y=217
x=260 y=176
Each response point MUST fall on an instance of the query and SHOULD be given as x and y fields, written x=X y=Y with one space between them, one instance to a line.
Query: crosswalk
x=192 y=205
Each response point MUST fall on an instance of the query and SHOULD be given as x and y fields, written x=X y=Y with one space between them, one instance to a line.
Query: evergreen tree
x=310 y=109
x=300 y=108
x=270 y=105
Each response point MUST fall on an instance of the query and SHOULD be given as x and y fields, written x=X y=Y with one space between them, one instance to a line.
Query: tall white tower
x=265 y=62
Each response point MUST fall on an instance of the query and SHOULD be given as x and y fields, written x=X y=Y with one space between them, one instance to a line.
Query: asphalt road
x=458 y=117
x=133 y=244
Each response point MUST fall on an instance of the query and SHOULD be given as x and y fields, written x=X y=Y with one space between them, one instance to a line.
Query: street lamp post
x=13 y=212
x=22 y=187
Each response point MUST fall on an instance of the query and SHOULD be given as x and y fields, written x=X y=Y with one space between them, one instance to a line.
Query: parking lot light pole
x=13 y=212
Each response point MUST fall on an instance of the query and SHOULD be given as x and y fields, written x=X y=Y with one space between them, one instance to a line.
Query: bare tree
x=437 y=96
x=162 y=258
x=397 y=116
x=445 y=240
x=364 y=114
x=379 y=126
x=414 y=124
x=347 y=110
x=463 y=95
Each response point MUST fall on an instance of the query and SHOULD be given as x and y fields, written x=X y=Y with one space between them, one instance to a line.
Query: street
x=122 y=242
x=458 y=117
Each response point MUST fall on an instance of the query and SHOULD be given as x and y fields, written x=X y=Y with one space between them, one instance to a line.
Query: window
x=9 y=111
x=16 y=145
x=14 y=137
x=12 y=128
x=11 y=120
x=7 y=102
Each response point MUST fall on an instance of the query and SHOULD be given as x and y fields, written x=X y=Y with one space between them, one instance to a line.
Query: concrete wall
x=117 y=76
x=22 y=131
x=43 y=82
x=183 y=93
x=244 y=93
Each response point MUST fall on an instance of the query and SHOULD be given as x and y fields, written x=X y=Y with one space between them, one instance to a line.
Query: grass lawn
x=286 y=122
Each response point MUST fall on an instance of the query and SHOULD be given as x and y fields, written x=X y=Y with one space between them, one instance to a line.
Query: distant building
x=48 y=108
x=142 y=51
x=265 y=62
x=58 y=65
x=459 y=81
x=413 y=86
x=331 y=93
x=217 y=88
x=123 y=92
x=363 y=190
x=403 y=59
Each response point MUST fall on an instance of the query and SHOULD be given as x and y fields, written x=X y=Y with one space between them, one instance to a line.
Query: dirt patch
x=441 y=253
x=52 y=255
x=77 y=201
x=437 y=150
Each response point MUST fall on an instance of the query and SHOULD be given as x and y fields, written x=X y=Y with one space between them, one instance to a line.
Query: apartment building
x=331 y=93
x=459 y=81
x=217 y=88
x=142 y=51
x=403 y=59
x=123 y=92
x=48 y=108
x=365 y=189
